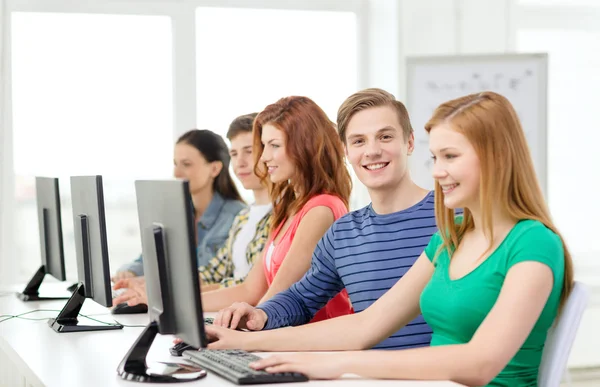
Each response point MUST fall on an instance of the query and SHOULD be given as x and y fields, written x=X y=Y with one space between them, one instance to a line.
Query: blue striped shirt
x=367 y=254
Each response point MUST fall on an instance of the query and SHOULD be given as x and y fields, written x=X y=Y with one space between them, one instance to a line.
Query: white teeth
x=448 y=188
x=373 y=167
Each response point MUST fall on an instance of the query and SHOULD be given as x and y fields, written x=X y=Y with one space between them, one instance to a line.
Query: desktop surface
x=31 y=351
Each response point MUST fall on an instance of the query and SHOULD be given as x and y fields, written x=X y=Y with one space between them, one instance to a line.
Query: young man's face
x=377 y=149
x=243 y=162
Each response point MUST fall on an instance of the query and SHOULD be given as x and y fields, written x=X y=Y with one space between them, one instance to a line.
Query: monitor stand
x=134 y=368
x=31 y=291
x=66 y=321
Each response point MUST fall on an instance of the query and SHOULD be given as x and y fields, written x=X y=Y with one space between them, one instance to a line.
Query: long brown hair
x=490 y=123
x=312 y=143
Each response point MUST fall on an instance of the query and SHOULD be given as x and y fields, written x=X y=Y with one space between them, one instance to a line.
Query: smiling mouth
x=447 y=188
x=375 y=166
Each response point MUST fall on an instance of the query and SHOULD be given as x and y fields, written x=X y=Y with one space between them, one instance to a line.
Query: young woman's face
x=279 y=166
x=456 y=167
x=190 y=164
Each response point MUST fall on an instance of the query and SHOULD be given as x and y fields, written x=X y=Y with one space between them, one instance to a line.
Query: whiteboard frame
x=541 y=163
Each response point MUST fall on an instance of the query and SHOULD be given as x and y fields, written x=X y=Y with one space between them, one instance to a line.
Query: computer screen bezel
x=87 y=198
x=50 y=226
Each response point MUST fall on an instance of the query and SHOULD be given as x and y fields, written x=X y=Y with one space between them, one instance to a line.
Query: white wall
x=398 y=29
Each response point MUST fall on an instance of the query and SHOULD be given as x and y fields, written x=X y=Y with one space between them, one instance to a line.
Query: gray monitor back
x=88 y=206
x=166 y=217
x=50 y=226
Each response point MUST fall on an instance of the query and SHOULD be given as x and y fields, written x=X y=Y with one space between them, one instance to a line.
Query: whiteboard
x=522 y=78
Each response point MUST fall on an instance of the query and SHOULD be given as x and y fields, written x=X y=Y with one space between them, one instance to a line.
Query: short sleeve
x=337 y=206
x=433 y=246
x=538 y=243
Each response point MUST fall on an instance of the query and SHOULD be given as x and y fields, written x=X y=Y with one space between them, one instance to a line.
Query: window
x=275 y=56
x=92 y=94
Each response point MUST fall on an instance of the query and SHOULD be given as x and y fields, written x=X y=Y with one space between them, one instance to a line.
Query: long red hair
x=313 y=145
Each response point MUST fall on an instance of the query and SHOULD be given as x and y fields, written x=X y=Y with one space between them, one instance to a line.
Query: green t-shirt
x=454 y=309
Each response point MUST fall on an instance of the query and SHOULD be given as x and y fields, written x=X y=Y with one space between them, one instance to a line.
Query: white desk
x=33 y=355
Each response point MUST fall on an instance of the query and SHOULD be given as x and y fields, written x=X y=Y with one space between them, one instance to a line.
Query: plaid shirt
x=220 y=268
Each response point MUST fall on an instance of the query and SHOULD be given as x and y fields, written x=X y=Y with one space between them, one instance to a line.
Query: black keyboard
x=178 y=348
x=232 y=364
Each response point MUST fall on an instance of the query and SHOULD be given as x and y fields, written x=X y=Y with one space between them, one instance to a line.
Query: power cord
x=6 y=317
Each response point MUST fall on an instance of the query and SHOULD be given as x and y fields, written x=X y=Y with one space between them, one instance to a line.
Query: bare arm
x=311 y=229
x=209 y=287
x=523 y=296
x=250 y=291
x=400 y=305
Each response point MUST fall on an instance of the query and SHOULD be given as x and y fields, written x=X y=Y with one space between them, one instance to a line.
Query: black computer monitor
x=51 y=239
x=171 y=270
x=91 y=250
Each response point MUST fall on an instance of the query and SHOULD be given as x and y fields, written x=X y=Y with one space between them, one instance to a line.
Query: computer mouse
x=177 y=349
x=126 y=309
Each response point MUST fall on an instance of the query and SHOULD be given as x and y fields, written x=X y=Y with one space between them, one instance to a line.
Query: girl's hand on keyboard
x=313 y=365
x=223 y=338
x=241 y=315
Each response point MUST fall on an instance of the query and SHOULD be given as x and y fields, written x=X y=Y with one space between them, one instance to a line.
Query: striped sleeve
x=298 y=304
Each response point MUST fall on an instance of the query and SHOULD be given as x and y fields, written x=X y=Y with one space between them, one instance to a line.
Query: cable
x=10 y=316
x=6 y=317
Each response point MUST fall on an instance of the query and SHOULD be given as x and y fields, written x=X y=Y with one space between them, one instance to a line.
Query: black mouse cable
x=6 y=317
